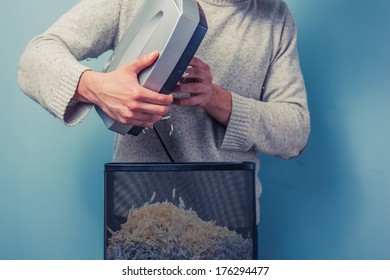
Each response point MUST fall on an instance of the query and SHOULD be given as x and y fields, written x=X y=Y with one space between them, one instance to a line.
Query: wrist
x=219 y=105
x=84 y=90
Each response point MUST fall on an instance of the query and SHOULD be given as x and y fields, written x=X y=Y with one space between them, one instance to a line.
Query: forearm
x=49 y=69
x=49 y=75
x=275 y=128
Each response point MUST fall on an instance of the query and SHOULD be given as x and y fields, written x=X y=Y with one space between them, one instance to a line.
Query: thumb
x=144 y=61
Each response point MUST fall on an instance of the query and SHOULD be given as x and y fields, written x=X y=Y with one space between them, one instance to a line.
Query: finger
x=140 y=123
x=144 y=61
x=196 y=74
x=149 y=96
x=188 y=101
x=197 y=62
x=188 y=80
x=139 y=119
x=190 y=87
x=192 y=75
x=145 y=118
x=134 y=109
x=150 y=109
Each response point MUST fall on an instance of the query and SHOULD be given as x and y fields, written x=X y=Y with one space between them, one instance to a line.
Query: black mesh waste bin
x=180 y=211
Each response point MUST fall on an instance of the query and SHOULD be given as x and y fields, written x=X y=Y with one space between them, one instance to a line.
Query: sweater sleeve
x=50 y=68
x=279 y=123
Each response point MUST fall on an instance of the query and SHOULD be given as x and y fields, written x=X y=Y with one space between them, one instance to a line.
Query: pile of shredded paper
x=163 y=231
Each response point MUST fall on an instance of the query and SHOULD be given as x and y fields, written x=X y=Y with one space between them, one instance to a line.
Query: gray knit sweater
x=251 y=49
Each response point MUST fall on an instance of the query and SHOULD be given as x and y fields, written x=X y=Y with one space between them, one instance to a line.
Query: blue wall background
x=333 y=202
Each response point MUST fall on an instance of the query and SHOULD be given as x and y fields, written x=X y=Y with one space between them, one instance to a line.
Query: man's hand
x=119 y=94
x=198 y=82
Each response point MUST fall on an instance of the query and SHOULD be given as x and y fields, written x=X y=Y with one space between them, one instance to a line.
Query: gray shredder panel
x=175 y=28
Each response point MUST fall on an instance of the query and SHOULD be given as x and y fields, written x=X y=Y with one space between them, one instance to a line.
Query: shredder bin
x=180 y=211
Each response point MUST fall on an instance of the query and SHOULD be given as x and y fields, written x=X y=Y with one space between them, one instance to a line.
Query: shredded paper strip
x=163 y=231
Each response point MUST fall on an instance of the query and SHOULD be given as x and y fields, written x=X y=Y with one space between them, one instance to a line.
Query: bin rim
x=177 y=166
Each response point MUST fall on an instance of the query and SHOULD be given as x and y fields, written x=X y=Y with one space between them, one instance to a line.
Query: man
x=249 y=96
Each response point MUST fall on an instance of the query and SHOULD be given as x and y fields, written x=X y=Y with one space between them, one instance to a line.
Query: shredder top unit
x=175 y=28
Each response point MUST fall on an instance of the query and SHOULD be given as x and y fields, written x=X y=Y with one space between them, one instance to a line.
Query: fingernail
x=152 y=54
